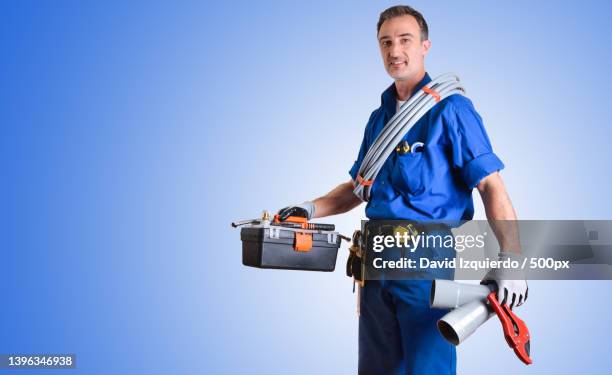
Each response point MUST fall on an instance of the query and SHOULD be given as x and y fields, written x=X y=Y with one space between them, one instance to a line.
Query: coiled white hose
x=399 y=125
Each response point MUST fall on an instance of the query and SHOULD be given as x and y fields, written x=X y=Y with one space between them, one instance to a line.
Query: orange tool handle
x=303 y=223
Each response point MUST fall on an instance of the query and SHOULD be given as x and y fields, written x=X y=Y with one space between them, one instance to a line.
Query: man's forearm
x=500 y=213
x=338 y=201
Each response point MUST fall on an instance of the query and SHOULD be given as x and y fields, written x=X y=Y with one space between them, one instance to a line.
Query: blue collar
x=388 y=98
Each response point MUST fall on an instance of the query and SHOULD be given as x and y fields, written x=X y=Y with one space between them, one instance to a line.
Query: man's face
x=401 y=47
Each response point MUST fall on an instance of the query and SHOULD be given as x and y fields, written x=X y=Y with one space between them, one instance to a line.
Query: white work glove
x=305 y=209
x=511 y=284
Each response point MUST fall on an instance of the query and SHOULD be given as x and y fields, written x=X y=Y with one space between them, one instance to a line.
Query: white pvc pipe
x=446 y=294
x=459 y=324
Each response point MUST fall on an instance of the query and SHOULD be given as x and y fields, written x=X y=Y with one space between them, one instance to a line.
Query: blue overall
x=397 y=328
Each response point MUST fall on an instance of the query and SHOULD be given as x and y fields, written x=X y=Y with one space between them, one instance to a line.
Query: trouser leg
x=425 y=351
x=380 y=346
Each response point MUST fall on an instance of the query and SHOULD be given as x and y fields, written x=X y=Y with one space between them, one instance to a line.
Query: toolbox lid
x=286 y=236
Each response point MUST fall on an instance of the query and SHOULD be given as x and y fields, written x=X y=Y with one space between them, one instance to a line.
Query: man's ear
x=426 y=46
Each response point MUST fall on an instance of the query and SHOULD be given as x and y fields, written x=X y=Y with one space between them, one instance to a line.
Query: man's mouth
x=397 y=64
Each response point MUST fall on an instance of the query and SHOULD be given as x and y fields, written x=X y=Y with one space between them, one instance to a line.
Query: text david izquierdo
x=413 y=242
x=459 y=243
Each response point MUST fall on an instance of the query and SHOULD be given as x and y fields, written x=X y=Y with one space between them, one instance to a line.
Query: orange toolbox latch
x=303 y=241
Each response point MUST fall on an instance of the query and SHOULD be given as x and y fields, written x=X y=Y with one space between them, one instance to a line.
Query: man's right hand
x=305 y=209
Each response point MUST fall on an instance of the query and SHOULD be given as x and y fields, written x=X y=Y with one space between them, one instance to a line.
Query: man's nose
x=395 y=50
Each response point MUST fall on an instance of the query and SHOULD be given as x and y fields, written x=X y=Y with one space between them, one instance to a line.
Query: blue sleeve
x=363 y=150
x=473 y=155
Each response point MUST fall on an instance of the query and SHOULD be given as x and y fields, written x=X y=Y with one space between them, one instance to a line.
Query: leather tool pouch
x=355 y=264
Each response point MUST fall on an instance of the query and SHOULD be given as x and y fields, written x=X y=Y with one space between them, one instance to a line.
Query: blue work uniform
x=397 y=328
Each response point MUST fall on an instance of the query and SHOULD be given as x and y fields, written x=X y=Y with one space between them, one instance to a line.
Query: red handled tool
x=302 y=222
x=515 y=330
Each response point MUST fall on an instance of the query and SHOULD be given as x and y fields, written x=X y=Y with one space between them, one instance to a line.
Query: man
x=397 y=329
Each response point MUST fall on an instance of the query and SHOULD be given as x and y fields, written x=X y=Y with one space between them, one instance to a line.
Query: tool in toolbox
x=515 y=330
x=290 y=244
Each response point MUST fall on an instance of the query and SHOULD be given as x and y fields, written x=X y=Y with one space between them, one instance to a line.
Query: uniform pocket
x=409 y=175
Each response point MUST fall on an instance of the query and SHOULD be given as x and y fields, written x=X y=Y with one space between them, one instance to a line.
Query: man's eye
x=386 y=43
x=405 y=40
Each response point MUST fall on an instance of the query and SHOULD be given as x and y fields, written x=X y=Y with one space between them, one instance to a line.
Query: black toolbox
x=271 y=246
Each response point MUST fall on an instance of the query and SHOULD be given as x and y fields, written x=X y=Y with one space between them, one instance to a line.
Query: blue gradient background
x=134 y=133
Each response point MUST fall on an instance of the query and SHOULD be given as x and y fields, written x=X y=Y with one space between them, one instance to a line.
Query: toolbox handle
x=291 y=219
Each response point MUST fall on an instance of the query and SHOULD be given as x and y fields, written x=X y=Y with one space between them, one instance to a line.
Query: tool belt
x=356 y=262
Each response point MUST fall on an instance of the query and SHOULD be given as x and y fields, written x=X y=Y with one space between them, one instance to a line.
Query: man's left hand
x=511 y=283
